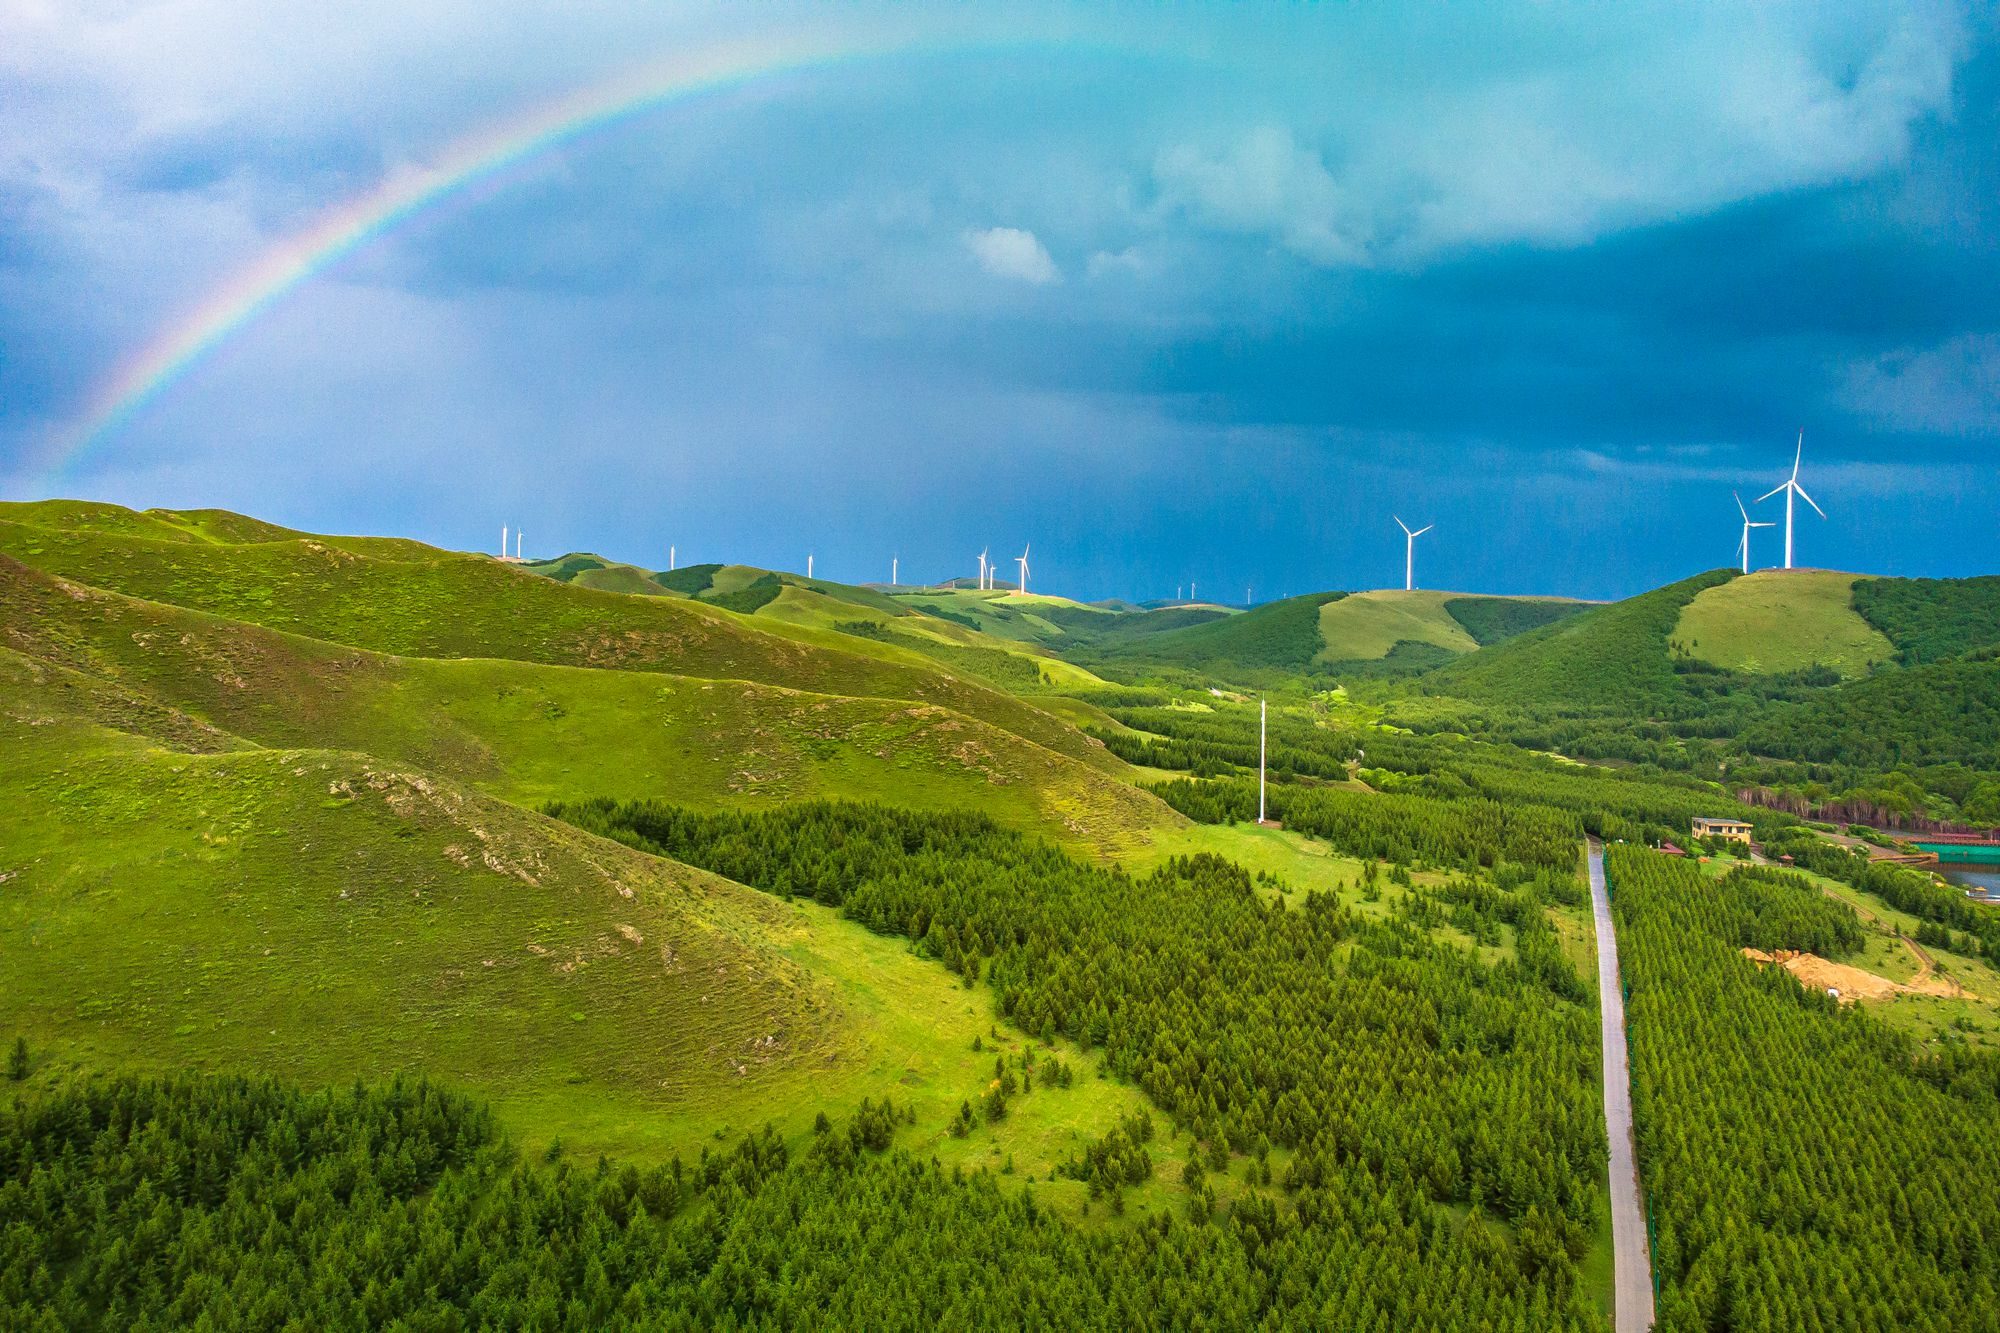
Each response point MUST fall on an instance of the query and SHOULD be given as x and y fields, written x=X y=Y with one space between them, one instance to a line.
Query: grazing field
x=1778 y=621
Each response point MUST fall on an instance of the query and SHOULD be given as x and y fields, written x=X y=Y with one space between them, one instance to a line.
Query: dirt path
x=1854 y=983
x=1631 y=1265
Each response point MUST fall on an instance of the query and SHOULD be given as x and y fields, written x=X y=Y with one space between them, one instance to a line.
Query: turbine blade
x=1808 y=499
x=1739 y=506
x=1775 y=490
x=1425 y=528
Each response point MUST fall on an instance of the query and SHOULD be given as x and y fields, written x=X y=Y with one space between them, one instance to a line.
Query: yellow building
x=1729 y=830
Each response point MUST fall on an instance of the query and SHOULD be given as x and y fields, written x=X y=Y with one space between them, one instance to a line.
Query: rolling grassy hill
x=529 y=733
x=892 y=626
x=251 y=848
x=1366 y=626
x=321 y=916
x=429 y=603
x=1779 y=621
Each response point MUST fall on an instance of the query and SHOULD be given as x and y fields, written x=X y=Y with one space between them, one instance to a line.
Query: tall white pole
x=809 y=564
x=1409 y=561
x=503 y=541
x=1790 y=491
x=670 y=559
x=517 y=543
x=1192 y=596
x=1262 y=709
x=892 y=571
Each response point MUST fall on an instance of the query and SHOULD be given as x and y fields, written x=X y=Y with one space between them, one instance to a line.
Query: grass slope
x=1366 y=626
x=1605 y=655
x=531 y=733
x=1278 y=635
x=321 y=917
x=459 y=606
x=1780 y=621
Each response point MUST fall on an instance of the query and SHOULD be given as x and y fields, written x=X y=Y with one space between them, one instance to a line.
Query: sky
x=1198 y=298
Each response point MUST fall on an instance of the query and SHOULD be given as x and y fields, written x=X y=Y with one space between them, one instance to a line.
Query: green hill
x=1779 y=621
x=253 y=849
x=1281 y=635
x=444 y=605
x=530 y=733
x=1365 y=626
x=323 y=917
x=1330 y=630
x=1604 y=655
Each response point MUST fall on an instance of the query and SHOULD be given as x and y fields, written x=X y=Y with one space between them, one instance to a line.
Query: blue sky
x=1196 y=297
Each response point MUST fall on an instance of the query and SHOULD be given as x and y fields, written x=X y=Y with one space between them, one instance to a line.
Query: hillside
x=444 y=605
x=1778 y=621
x=530 y=733
x=1394 y=628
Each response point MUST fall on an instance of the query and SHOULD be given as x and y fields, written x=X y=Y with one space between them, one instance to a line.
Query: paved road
x=1631 y=1265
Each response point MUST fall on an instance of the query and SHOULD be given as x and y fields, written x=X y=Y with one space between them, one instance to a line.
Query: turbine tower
x=809 y=564
x=892 y=570
x=1410 y=551
x=1790 y=486
x=1743 y=547
x=503 y=541
x=1022 y=561
x=982 y=569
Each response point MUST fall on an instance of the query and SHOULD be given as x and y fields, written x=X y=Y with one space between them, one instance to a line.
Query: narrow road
x=1632 y=1269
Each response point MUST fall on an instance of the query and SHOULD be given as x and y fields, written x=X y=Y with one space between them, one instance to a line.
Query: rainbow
x=345 y=229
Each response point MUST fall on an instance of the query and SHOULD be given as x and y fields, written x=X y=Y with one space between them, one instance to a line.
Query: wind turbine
x=1410 y=551
x=892 y=570
x=809 y=564
x=1022 y=561
x=503 y=541
x=982 y=569
x=670 y=559
x=1744 y=546
x=1790 y=486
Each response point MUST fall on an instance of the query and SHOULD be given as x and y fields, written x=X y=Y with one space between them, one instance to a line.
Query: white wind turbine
x=1410 y=551
x=1022 y=561
x=982 y=569
x=1743 y=547
x=1790 y=486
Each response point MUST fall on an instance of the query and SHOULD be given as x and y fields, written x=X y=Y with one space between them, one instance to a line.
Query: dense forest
x=1393 y=1069
x=1807 y=1167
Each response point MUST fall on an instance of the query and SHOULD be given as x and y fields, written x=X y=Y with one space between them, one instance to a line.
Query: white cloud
x=1559 y=134
x=1952 y=388
x=1010 y=252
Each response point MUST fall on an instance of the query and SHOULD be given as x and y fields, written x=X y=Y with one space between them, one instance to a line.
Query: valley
x=717 y=864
